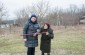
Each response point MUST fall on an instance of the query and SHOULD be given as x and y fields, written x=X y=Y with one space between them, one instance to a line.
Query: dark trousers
x=44 y=54
x=31 y=51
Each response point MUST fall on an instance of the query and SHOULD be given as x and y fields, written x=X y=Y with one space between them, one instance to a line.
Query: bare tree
x=22 y=16
x=55 y=16
x=3 y=11
x=41 y=9
x=65 y=17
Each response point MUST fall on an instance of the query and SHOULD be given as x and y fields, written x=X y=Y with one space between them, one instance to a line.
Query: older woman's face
x=33 y=19
x=45 y=26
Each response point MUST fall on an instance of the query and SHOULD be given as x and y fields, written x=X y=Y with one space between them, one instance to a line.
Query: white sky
x=14 y=5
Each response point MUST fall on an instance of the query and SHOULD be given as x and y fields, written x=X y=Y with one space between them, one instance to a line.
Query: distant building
x=7 y=23
x=82 y=20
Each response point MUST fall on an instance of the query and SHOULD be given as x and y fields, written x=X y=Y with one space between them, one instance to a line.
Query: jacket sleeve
x=25 y=29
x=51 y=34
x=39 y=26
x=41 y=30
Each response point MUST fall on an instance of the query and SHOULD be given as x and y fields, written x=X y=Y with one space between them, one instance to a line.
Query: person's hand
x=25 y=40
x=38 y=31
x=47 y=33
x=34 y=34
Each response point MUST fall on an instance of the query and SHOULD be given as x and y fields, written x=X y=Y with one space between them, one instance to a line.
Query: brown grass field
x=69 y=41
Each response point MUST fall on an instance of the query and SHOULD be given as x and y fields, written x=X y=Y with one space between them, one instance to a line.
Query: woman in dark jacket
x=47 y=35
x=31 y=40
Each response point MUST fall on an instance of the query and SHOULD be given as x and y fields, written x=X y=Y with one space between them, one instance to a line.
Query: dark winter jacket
x=45 y=45
x=29 y=28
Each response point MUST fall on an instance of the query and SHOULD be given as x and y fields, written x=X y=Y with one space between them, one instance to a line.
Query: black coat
x=45 y=45
x=30 y=28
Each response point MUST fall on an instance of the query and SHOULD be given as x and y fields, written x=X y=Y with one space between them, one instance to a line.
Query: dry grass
x=70 y=41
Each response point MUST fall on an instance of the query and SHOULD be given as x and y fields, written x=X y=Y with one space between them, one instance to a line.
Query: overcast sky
x=14 y=5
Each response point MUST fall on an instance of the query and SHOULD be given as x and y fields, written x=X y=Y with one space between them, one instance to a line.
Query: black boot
x=48 y=53
x=42 y=53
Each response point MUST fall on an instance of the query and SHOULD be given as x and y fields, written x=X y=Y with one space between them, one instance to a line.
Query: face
x=45 y=26
x=33 y=19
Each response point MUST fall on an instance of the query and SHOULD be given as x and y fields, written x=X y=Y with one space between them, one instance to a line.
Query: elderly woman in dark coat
x=47 y=35
x=31 y=41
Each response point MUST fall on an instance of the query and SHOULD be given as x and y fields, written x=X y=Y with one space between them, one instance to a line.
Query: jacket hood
x=35 y=17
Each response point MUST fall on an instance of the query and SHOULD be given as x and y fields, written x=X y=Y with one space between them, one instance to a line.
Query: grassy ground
x=65 y=42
